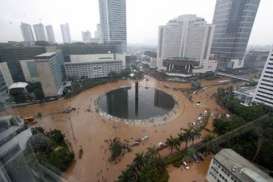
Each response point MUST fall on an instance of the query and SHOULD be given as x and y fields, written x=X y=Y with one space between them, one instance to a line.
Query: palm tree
x=187 y=136
x=171 y=142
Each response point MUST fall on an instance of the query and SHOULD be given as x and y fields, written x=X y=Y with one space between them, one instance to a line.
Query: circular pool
x=136 y=103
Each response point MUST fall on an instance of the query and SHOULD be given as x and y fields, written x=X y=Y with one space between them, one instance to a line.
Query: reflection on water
x=136 y=102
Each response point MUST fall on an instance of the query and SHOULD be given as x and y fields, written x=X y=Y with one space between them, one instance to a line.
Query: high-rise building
x=27 y=32
x=233 y=21
x=264 y=91
x=187 y=36
x=113 y=21
x=39 y=30
x=66 y=33
x=86 y=36
x=50 y=34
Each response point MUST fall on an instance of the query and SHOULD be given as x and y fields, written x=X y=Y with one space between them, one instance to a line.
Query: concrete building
x=27 y=32
x=4 y=69
x=264 y=91
x=12 y=56
x=228 y=166
x=5 y=81
x=66 y=33
x=50 y=34
x=255 y=59
x=50 y=72
x=93 y=65
x=29 y=69
x=86 y=36
x=233 y=20
x=113 y=21
x=245 y=95
x=89 y=48
x=187 y=36
x=39 y=30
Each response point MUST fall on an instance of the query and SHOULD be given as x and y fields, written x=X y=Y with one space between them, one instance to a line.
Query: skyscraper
x=86 y=36
x=98 y=34
x=264 y=91
x=113 y=21
x=39 y=30
x=233 y=21
x=27 y=32
x=187 y=36
x=50 y=34
x=66 y=33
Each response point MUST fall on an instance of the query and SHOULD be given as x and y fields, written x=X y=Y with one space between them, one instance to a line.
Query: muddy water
x=86 y=129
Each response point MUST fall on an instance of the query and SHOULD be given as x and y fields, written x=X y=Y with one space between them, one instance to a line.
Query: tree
x=145 y=167
x=173 y=143
x=56 y=136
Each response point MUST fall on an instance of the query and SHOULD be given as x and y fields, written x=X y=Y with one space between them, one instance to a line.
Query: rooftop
x=18 y=85
x=250 y=91
x=240 y=167
x=46 y=55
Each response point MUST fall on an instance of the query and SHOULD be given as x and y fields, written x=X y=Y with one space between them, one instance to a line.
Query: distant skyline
x=143 y=17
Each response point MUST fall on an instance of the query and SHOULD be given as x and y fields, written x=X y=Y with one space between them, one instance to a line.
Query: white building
x=50 y=72
x=86 y=36
x=264 y=91
x=228 y=166
x=27 y=32
x=66 y=33
x=39 y=30
x=187 y=36
x=4 y=69
x=113 y=21
x=93 y=65
x=50 y=34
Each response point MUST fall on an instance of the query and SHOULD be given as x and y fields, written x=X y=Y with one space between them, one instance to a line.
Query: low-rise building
x=245 y=95
x=50 y=72
x=92 y=66
x=228 y=166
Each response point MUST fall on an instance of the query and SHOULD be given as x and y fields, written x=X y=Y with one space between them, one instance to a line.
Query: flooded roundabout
x=112 y=110
x=136 y=104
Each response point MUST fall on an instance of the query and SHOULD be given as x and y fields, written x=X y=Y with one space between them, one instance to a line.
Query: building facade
x=264 y=91
x=93 y=65
x=66 y=33
x=228 y=166
x=27 y=32
x=50 y=72
x=113 y=21
x=39 y=30
x=187 y=36
x=233 y=20
x=29 y=69
x=50 y=34
x=255 y=59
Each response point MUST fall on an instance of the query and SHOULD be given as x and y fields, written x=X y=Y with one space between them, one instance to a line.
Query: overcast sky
x=143 y=17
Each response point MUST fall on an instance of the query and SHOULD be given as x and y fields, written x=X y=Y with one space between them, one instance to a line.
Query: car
x=185 y=164
x=161 y=145
x=135 y=144
x=145 y=138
